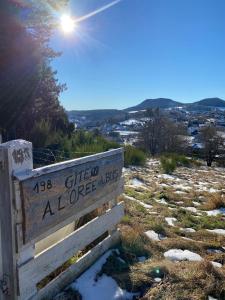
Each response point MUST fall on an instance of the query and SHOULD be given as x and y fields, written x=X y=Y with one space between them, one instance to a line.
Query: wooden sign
x=57 y=192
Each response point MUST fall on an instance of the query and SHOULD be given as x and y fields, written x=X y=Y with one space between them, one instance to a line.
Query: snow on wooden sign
x=51 y=195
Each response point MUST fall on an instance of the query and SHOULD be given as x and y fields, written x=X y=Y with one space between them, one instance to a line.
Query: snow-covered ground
x=92 y=287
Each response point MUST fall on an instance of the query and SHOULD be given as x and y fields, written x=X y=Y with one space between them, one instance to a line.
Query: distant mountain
x=101 y=115
x=213 y=102
x=154 y=103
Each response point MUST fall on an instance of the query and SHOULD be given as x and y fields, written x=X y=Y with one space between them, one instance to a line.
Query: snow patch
x=217 y=231
x=212 y=190
x=157 y=279
x=148 y=206
x=167 y=176
x=216 y=264
x=161 y=201
x=130 y=122
x=196 y=203
x=191 y=209
x=187 y=230
x=136 y=182
x=179 y=255
x=170 y=221
x=216 y=212
x=103 y=288
x=154 y=236
x=182 y=187
x=180 y=202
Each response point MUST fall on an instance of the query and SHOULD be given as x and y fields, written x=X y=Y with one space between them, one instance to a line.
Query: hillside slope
x=214 y=102
x=154 y=103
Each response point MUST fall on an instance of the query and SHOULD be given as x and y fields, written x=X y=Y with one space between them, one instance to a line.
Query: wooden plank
x=69 y=275
x=54 y=238
x=118 y=191
x=50 y=198
x=65 y=164
x=16 y=156
x=35 y=270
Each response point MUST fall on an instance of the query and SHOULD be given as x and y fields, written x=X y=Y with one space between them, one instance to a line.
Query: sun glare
x=67 y=24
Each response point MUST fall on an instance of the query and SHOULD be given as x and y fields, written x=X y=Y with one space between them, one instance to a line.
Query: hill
x=154 y=103
x=162 y=103
x=213 y=102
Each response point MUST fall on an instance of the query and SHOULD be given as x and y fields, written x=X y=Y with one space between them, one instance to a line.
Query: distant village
x=125 y=129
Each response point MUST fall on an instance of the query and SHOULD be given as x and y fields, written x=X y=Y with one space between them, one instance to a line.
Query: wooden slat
x=65 y=164
x=35 y=270
x=108 y=197
x=53 y=197
x=54 y=238
x=69 y=275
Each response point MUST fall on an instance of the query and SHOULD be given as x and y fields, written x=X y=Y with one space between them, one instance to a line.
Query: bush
x=81 y=143
x=169 y=162
x=134 y=156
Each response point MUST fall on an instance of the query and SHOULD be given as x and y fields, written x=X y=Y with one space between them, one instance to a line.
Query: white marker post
x=15 y=157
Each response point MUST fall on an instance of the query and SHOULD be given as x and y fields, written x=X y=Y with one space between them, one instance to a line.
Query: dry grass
x=183 y=280
x=214 y=201
x=189 y=281
x=179 y=280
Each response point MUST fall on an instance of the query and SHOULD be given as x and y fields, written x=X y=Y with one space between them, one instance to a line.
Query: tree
x=212 y=142
x=160 y=135
x=19 y=65
x=29 y=90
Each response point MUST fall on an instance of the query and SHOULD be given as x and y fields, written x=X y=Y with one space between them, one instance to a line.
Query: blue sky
x=142 y=49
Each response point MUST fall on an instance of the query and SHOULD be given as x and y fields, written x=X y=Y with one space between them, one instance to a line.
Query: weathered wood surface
x=36 y=269
x=15 y=156
x=51 y=195
x=70 y=274
x=105 y=199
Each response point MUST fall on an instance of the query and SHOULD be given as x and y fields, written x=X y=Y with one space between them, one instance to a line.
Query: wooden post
x=15 y=157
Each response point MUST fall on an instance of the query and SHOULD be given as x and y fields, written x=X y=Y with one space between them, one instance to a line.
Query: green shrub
x=168 y=164
x=134 y=156
x=182 y=160
x=81 y=143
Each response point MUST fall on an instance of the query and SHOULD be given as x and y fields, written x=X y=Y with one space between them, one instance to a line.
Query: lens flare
x=68 y=25
x=98 y=11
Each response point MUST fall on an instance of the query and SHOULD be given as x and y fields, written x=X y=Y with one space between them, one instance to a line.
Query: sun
x=68 y=25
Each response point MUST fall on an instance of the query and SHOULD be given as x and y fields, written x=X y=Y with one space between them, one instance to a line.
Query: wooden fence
x=39 y=213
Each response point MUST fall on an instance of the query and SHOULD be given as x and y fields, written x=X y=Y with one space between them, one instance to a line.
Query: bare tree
x=213 y=143
x=160 y=135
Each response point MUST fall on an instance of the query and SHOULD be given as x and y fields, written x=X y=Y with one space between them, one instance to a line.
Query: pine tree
x=29 y=90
